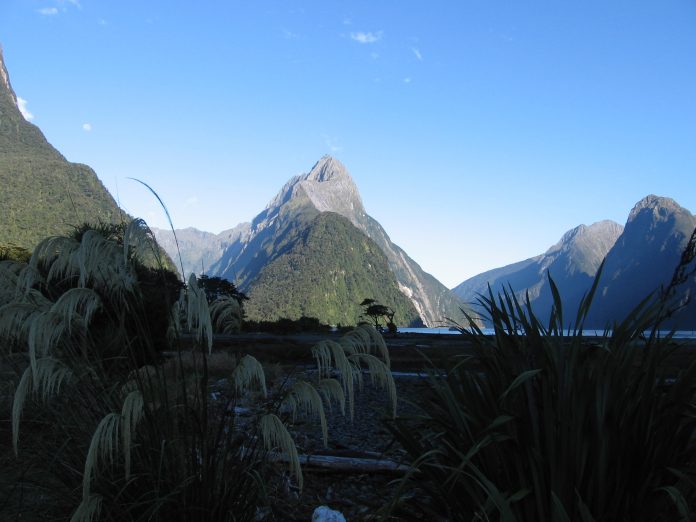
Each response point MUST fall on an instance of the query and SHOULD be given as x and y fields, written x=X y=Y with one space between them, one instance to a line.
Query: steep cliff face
x=572 y=263
x=644 y=259
x=640 y=259
x=328 y=187
x=42 y=193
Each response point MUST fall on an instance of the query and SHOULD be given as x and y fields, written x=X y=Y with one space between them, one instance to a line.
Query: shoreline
x=406 y=350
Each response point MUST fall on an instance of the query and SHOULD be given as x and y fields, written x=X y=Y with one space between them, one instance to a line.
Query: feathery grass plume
x=365 y=339
x=332 y=390
x=539 y=424
x=51 y=328
x=226 y=315
x=247 y=372
x=198 y=313
x=45 y=380
x=76 y=305
x=29 y=277
x=330 y=355
x=102 y=450
x=88 y=510
x=9 y=279
x=138 y=241
x=131 y=413
x=347 y=357
x=15 y=318
x=275 y=435
x=379 y=374
x=305 y=397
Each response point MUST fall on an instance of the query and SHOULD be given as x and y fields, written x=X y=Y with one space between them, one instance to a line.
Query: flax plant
x=542 y=423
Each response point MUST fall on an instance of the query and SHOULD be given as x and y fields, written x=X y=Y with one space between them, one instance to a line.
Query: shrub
x=542 y=424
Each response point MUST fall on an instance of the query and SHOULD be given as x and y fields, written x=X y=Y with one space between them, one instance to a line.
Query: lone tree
x=376 y=311
x=215 y=287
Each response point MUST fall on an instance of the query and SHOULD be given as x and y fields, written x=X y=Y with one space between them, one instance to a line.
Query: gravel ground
x=357 y=495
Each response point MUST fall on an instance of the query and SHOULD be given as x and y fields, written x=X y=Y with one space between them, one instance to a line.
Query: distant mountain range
x=640 y=258
x=252 y=252
x=41 y=193
x=315 y=251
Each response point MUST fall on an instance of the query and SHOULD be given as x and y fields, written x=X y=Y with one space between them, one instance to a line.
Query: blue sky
x=477 y=131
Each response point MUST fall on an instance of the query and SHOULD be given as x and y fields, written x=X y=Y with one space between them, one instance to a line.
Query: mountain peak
x=330 y=188
x=326 y=169
x=5 y=78
x=657 y=205
x=602 y=232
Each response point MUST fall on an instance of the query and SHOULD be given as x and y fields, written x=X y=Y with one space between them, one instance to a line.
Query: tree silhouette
x=376 y=312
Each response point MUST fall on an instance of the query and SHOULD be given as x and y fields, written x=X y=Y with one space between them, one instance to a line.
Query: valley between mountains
x=316 y=251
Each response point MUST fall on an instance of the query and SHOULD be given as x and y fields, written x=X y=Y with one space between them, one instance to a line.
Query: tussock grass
x=133 y=436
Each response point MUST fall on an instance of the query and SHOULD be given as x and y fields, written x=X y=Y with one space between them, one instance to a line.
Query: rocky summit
x=643 y=260
x=327 y=187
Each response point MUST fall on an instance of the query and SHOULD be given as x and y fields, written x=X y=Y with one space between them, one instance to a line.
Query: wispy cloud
x=62 y=4
x=22 y=105
x=407 y=80
x=290 y=35
x=48 y=11
x=366 y=38
x=417 y=54
x=101 y=21
x=374 y=56
x=87 y=127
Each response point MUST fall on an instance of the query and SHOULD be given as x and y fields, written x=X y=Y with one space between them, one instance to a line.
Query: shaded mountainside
x=640 y=259
x=199 y=250
x=323 y=269
x=328 y=187
x=572 y=263
x=644 y=259
x=42 y=193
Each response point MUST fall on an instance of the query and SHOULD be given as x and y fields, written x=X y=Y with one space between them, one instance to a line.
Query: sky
x=478 y=132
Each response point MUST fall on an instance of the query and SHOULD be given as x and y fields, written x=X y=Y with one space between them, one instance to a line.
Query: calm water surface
x=679 y=334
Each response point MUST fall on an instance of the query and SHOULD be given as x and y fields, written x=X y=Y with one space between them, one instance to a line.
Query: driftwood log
x=365 y=463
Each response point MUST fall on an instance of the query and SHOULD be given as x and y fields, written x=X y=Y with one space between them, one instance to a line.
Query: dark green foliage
x=376 y=312
x=322 y=267
x=215 y=287
x=42 y=198
x=542 y=424
x=287 y=326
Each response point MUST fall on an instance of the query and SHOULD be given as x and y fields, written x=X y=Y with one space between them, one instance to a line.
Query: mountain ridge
x=572 y=262
x=42 y=193
x=639 y=258
x=643 y=261
x=328 y=187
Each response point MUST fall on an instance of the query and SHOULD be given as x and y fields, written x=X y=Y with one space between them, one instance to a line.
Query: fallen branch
x=347 y=464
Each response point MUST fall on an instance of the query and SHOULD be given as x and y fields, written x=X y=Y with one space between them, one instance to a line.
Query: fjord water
x=679 y=334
